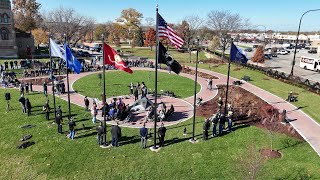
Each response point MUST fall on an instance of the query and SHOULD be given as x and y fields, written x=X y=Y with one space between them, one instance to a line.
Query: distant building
x=8 y=48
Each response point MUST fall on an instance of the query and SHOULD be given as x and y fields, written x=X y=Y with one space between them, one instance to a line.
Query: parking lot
x=283 y=63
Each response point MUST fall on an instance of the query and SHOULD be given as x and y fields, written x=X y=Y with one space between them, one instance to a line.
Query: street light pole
x=265 y=32
x=295 y=47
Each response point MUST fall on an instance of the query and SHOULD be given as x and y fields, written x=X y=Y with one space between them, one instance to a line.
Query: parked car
x=86 y=54
x=267 y=56
x=248 y=49
x=312 y=51
x=282 y=52
x=307 y=47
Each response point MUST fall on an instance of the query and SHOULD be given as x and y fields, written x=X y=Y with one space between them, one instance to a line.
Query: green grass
x=182 y=57
x=117 y=83
x=308 y=100
x=55 y=157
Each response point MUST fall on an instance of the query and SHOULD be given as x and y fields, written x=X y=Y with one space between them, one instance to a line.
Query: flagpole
x=226 y=102
x=52 y=80
x=69 y=106
x=156 y=83
x=104 y=94
x=195 y=95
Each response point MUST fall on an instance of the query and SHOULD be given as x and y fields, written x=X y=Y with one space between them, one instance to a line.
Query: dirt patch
x=268 y=153
x=213 y=61
x=187 y=70
x=248 y=110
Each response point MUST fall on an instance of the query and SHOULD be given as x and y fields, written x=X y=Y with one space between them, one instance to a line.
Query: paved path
x=307 y=127
x=183 y=107
x=304 y=124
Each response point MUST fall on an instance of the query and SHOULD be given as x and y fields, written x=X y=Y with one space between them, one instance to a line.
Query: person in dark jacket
x=28 y=107
x=116 y=134
x=206 y=126
x=31 y=86
x=22 y=101
x=136 y=94
x=162 y=133
x=86 y=103
x=72 y=131
x=100 y=130
x=143 y=136
x=46 y=110
x=27 y=88
x=63 y=88
x=58 y=122
x=45 y=88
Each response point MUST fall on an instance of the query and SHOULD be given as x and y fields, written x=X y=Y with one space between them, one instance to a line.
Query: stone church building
x=13 y=42
x=8 y=47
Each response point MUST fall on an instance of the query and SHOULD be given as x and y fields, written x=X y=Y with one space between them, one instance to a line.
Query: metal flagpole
x=69 y=106
x=156 y=83
x=52 y=80
x=195 y=95
x=104 y=94
x=226 y=102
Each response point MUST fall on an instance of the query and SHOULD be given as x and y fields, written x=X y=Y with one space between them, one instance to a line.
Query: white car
x=282 y=52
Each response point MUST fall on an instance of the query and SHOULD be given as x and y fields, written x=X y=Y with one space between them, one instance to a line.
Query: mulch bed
x=187 y=70
x=248 y=110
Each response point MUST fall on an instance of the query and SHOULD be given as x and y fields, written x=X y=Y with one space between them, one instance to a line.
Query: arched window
x=4 y=33
x=5 y=18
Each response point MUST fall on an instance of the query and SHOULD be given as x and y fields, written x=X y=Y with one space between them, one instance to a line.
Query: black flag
x=165 y=58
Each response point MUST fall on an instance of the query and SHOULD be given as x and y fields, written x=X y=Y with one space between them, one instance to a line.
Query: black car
x=267 y=56
x=86 y=54
x=312 y=51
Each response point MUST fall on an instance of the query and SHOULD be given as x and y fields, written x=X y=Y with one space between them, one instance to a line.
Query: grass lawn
x=117 y=83
x=53 y=156
x=182 y=57
x=308 y=100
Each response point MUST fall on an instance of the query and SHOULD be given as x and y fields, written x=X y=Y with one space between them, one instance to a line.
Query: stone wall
x=39 y=80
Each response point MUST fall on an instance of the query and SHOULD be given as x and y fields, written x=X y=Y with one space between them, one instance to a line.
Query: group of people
x=218 y=119
x=116 y=110
x=138 y=90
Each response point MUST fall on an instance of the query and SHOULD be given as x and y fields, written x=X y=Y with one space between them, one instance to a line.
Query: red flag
x=112 y=58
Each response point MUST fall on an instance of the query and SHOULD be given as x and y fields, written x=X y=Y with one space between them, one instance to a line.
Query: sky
x=277 y=15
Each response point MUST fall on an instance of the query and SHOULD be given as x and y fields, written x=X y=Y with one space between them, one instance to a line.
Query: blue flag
x=237 y=54
x=71 y=61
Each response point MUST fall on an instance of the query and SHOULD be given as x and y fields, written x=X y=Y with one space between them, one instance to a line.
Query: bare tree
x=224 y=22
x=67 y=21
x=251 y=163
x=149 y=21
x=194 y=23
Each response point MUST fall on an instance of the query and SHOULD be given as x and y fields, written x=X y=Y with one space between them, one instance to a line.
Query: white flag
x=56 y=50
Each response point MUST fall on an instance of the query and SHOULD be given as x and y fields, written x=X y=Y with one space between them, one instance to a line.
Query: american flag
x=166 y=31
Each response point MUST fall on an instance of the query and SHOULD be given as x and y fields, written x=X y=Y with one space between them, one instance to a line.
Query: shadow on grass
x=129 y=140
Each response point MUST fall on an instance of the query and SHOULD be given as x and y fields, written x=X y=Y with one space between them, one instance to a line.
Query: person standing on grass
x=45 y=88
x=58 y=122
x=22 y=101
x=46 y=110
x=28 y=107
x=86 y=103
x=143 y=136
x=21 y=88
x=206 y=127
x=72 y=131
x=131 y=88
x=162 y=133
x=100 y=130
x=27 y=88
x=94 y=113
x=116 y=134
x=31 y=87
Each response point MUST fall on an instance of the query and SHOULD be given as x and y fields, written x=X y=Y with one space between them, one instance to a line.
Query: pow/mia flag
x=166 y=58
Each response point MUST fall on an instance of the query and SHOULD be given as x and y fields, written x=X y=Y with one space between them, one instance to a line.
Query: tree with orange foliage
x=150 y=37
x=258 y=56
